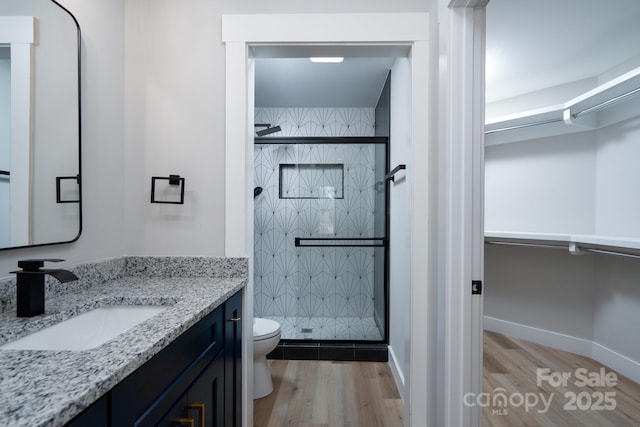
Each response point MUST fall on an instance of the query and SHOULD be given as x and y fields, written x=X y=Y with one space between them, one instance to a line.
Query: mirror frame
x=79 y=158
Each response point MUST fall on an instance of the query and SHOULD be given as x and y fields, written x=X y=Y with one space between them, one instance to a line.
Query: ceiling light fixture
x=327 y=59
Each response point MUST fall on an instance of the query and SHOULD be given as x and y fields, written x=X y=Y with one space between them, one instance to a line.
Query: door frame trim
x=435 y=334
x=239 y=33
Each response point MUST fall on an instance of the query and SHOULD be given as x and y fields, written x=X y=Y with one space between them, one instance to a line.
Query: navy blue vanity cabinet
x=233 y=360
x=203 y=404
x=187 y=381
x=145 y=396
x=95 y=415
x=208 y=391
x=214 y=399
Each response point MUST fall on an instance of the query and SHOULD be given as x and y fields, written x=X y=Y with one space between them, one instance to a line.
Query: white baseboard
x=398 y=377
x=539 y=336
x=627 y=367
x=610 y=358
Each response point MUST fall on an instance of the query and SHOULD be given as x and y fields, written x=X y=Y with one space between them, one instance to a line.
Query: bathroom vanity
x=182 y=365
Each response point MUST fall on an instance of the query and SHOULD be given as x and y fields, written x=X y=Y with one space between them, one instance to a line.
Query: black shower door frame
x=374 y=242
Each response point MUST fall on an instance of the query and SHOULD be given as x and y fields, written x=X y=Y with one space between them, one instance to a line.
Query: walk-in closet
x=562 y=198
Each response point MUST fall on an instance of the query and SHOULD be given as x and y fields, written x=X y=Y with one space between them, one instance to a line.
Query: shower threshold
x=325 y=338
x=327 y=350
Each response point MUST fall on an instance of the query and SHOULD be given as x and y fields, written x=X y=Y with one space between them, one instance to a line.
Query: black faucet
x=30 y=285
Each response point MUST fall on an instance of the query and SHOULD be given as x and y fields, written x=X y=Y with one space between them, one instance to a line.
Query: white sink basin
x=88 y=330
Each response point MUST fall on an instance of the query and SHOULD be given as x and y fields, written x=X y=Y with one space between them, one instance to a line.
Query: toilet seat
x=264 y=329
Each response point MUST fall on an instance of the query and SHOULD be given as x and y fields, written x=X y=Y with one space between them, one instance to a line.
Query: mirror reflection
x=39 y=124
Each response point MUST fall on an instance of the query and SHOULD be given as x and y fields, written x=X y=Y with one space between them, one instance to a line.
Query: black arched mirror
x=40 y=197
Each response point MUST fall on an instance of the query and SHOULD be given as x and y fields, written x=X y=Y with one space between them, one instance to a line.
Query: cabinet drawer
x=203 y=402
x=162 y=375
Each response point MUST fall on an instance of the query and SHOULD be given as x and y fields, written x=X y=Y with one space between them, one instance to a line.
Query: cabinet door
x=202 y=405
x=177 y=415
x=205 y=398
x=147 y=394
x=233 y=361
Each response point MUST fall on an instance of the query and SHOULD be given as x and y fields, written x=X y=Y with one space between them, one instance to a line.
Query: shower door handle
x=340 y=242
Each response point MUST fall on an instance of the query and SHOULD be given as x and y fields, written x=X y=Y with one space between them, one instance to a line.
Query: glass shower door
x=326 y=240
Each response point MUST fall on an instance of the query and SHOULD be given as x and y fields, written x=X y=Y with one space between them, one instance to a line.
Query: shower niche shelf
x=311 y=181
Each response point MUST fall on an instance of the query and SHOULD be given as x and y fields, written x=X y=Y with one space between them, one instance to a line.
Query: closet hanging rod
x=391 y=175
x=525 y=125
x=5 y=173
x=607 y=103
x=533 y=245
x=623 y=254
x=538 y=245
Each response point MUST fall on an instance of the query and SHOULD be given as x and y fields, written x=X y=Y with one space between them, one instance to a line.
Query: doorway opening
x=415 y=349
x=321 y=203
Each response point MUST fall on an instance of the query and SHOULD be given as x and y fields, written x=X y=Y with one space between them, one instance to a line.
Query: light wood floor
x=512 y=364
x=329 y=394
x=363 y=394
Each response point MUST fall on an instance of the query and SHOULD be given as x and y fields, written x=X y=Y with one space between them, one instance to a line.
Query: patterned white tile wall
x=315 y=283
x=319 y=121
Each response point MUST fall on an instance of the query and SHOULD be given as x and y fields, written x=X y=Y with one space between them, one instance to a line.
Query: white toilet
x=266 y=334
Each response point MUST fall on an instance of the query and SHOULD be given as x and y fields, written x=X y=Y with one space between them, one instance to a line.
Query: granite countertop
x=49 y=388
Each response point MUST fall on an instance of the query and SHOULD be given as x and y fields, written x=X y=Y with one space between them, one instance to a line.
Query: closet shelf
x=606 y=95
x=577 y=244
x=575 y=115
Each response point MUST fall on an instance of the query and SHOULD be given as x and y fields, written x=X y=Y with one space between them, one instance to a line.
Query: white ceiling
x=535 y=44
x=531 y=45
x=298 y=82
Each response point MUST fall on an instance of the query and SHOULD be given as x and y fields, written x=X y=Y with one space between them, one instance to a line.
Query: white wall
x=617 y=303
x=581 y=183
x=542 y=185
x=548 y=289
x=400 y=232
x=102 y=28
x=539 y=99
x=618 y=207
x=175 y=125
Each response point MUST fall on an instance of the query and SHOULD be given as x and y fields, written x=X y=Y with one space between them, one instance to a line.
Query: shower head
x=257 y=191
x=268 y=131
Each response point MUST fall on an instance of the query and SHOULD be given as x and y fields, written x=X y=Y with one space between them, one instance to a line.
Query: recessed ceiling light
x=327 y=59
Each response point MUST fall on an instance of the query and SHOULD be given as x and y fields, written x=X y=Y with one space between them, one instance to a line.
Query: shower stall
x=320 y=238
